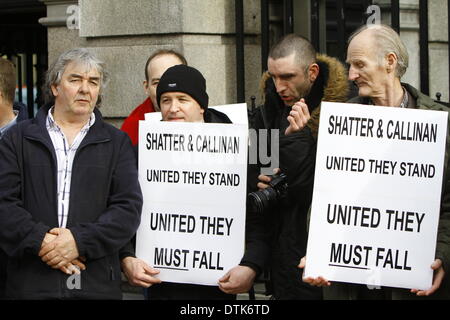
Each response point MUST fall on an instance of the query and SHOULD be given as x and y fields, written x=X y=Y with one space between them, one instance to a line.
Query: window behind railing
x=24 y=41
x=331 y=22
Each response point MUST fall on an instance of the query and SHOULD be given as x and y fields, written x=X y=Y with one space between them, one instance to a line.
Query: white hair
x=387 y=41
x=78 y=55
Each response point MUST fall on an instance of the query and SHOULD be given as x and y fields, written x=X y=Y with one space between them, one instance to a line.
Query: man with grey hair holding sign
x=69 y=191
x=377 y=60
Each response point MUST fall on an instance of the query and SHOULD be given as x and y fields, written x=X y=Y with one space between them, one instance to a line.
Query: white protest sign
x=377 y=195
x=236 y=112
x=193 y=178
x=153 y=116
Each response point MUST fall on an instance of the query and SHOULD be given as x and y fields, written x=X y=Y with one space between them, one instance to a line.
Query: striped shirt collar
x=405 y=101
x=51 y=123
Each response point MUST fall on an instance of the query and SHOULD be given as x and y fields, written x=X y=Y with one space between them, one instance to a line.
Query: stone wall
x=125 y=33
x=438 y=42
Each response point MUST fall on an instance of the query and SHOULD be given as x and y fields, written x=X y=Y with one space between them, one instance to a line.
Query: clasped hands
x=59 y=251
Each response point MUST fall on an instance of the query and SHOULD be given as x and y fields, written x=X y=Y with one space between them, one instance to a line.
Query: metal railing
x=340 y=21
x=424 y=57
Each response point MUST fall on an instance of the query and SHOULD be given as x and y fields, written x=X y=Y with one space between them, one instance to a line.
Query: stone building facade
x=125 y=33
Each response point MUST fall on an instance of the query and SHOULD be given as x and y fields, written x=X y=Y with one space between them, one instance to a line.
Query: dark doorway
x=24 y=41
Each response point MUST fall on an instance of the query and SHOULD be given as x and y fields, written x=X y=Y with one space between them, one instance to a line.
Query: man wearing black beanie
x=181 y=95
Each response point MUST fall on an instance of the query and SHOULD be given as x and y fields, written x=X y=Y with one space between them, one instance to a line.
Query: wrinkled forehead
x=362 y=48
x=82 y=68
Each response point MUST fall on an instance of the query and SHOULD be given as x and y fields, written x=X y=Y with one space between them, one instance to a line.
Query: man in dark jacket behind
x=69 y=191
x=296 y=82
x=10 y=114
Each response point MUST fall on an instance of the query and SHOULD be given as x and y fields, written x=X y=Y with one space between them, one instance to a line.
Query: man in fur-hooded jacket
x=296 y=82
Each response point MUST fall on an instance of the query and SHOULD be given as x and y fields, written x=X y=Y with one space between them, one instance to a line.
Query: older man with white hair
x=377 y=60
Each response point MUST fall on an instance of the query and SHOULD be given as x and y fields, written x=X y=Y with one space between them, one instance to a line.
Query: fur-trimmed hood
x=331 y=85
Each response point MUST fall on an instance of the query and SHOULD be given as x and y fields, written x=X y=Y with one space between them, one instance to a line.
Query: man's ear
x=54 y=90
x=146 y=86
x=313 y=72
x=391 y=62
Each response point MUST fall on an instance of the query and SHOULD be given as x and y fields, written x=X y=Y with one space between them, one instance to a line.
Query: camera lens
x=261 y=200
x=258 y=201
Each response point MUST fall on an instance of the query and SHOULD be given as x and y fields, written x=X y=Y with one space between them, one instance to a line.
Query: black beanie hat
x=182 y=78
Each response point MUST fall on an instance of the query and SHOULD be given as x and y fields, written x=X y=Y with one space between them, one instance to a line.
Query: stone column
x=125 y=33
x=437 y=40
x=409 y=33
x=60 y=36
x=438 y=48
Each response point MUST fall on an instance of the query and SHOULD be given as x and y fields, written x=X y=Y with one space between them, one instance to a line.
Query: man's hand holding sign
x=193 y=178
x=376 y=200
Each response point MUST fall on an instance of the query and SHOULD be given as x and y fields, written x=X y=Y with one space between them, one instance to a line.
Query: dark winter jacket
x=22 y=109
x=214 y=116
x=104 y=213
x=22 y=115
x=286 y=222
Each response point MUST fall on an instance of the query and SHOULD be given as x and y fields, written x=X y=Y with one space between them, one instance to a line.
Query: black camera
x=259 y=201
